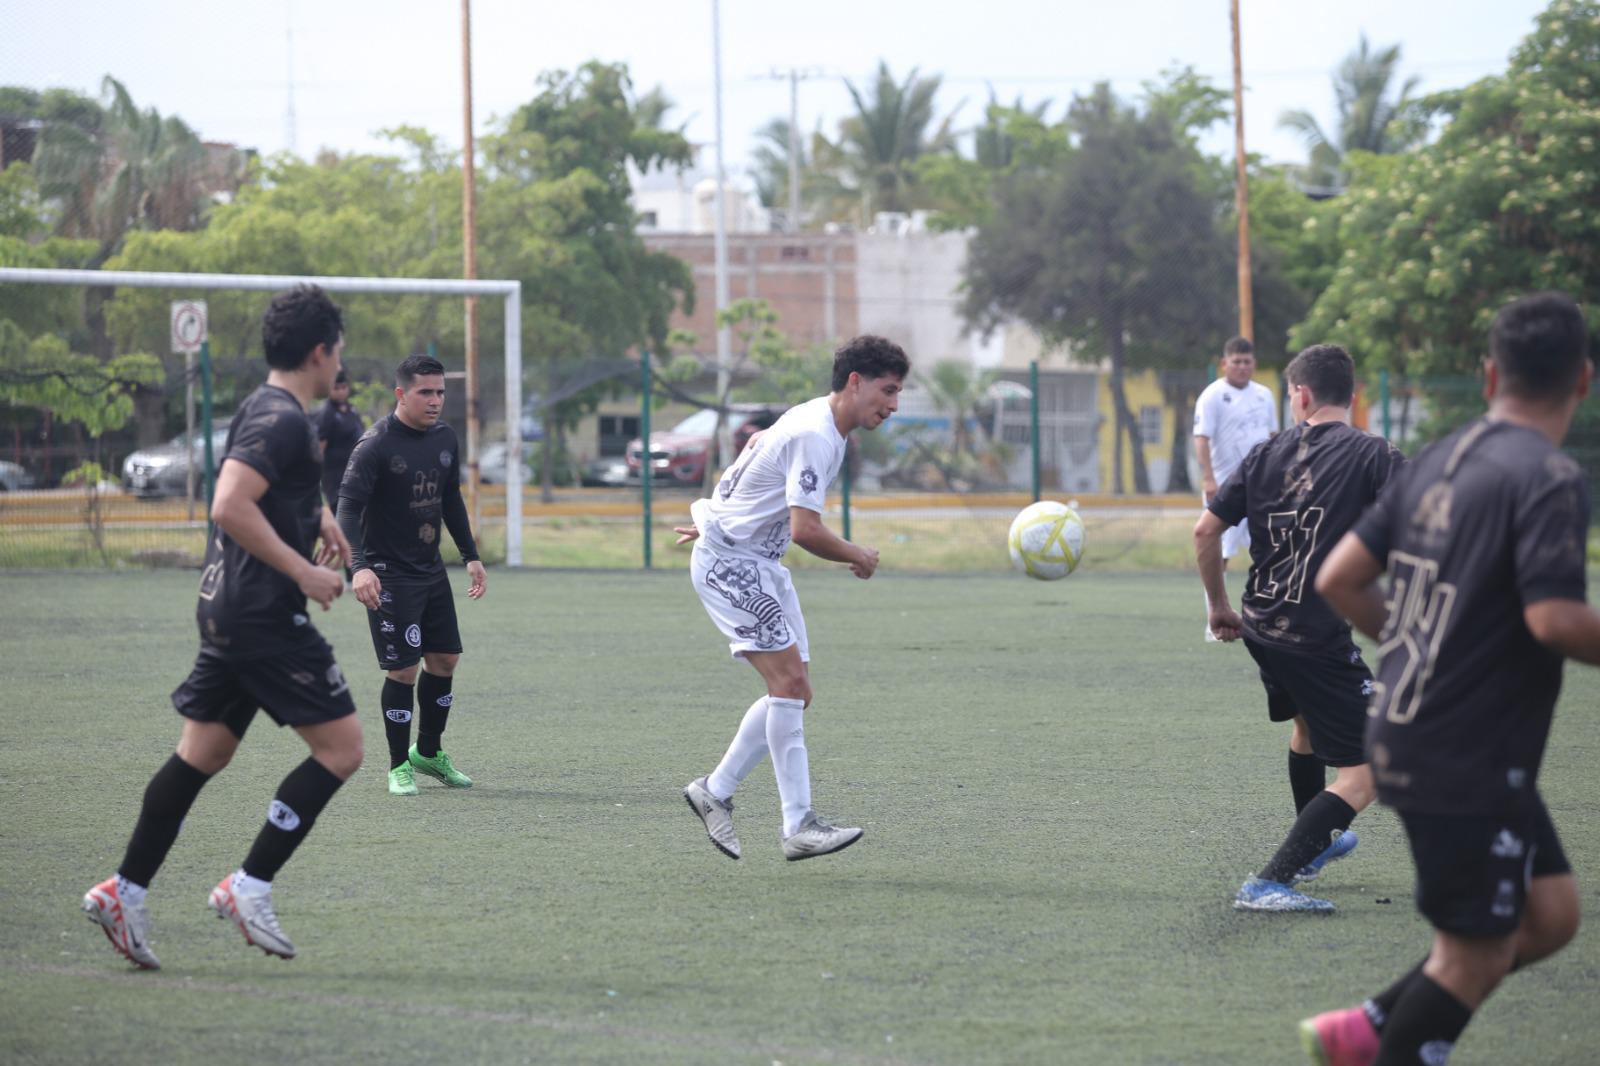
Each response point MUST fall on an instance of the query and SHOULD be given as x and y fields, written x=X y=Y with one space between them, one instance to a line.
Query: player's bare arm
x=1225 y=622
x=806 y=529
x=1348 y=580
x=235 y=509
x=1570 y=627
x=1202 y=457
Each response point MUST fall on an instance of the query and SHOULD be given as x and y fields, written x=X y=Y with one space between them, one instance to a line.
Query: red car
x=679 y=454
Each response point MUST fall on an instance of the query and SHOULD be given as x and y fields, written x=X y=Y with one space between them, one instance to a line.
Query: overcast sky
x=361 y=65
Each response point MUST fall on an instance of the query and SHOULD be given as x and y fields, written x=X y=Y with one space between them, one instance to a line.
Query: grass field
x=1062 y=787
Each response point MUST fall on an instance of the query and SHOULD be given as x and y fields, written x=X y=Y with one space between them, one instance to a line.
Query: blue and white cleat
x=1258 y=895
x=1342 y=845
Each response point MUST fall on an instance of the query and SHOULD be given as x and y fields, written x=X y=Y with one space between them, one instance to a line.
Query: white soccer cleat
x=716 y=814
x=252 y=913
x=126 y=924
x=816 y=837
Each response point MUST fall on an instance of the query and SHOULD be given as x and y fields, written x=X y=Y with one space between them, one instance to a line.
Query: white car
x=164 y=470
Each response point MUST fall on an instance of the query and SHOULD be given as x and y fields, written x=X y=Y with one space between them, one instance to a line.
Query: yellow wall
x=1144 y=389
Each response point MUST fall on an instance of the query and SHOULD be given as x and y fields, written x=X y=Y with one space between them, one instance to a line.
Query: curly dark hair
x=296 y=322
x=870 y=356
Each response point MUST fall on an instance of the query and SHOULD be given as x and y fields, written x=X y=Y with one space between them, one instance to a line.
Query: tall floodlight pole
x=724 y=335
x=1241 y=186
x=469 y=265
x=794 y=152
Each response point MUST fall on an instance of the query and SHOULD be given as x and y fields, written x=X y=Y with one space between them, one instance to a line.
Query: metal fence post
x=844 y=492
x=1033 y=423
x=645 y=470
x=205 y=425
x=1383 y=398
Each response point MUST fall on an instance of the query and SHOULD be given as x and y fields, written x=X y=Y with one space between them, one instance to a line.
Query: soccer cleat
x=125 y=924
x=402 y=780
x=1342 y=845
x=816 y=837
x=440 y=767
x=716 y=814
x=252 y=913
x=1340 y=1038
x=1259 y=895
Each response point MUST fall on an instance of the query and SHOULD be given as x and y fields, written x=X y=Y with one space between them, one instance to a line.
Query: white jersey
x=790 y=465
x=1235 y=420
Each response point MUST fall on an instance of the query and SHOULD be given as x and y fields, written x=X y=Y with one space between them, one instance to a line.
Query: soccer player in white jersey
x=1233 y=415
x=773 y=494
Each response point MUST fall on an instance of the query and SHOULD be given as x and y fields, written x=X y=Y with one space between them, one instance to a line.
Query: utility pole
x=469 y=253
x=724 y=440
x=795 y=75
x=290 y=133
x=1241 y=186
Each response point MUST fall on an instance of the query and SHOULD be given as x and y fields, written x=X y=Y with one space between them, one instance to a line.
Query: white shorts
x=751 y=600
x=1234 y=537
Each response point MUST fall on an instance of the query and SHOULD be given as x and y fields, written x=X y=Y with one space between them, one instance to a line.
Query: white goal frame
x=510 y=290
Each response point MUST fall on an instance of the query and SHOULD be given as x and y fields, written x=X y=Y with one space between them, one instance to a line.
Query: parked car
x=679 y=454
x=14 y=478
x=164 y=469
x=492 y=463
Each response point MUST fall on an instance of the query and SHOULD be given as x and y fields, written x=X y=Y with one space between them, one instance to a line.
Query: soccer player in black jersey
x=1483 y=539
x=339 y=426
x=401 y=488
x=1300 y=491
x=258 y=648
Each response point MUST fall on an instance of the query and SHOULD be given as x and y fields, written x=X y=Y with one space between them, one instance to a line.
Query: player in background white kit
x=772 y=495
x=1233 y=415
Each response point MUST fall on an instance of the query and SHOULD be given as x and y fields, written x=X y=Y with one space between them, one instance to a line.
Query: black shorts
x=301 y=686
x=1328 y=689
x=1473 y=870
x=413 y=618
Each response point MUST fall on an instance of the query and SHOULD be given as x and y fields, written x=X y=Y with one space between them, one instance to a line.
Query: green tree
x=557 y=213
x=1507 y=201
x=1115 y=251
x=1373 y=116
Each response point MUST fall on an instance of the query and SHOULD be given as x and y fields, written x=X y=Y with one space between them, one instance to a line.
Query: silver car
x=164 y=469
x=14 y=478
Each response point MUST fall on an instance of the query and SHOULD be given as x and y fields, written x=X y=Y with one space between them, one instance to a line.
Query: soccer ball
x=1046 y=540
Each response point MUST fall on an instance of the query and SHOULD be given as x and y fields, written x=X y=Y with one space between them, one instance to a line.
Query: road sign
x=188 y=325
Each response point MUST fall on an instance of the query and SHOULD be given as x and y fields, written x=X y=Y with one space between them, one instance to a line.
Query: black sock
x=1380 y=1006
x=397 y=719
x=167 y=799
x=1307 y=777
x=301 y=797
x=433 y=703
x=1426 y=1017
x=1311 y=834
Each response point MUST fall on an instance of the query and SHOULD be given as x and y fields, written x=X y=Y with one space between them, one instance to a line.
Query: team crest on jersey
x=1227 y=398
x=739 y=581
x=414 y=635
x=445 y=459
x=397 y=464
x=427 y=534
x=808 y=480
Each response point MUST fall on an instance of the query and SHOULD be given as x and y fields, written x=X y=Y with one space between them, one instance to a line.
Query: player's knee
x=343 y=760
x=441 y=664
x=406 y=675
x=792 y=686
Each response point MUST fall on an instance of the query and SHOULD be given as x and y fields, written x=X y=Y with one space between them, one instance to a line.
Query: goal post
x=511 y=291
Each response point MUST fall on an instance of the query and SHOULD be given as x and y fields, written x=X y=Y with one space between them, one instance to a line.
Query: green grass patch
x=1062 y=786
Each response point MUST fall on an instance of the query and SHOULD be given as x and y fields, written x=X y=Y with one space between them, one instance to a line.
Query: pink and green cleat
x=1340 y=1038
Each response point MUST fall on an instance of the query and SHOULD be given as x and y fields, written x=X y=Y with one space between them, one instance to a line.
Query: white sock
x=252 y=886
x=130 y=892
x=749 y=747
x=786 y=738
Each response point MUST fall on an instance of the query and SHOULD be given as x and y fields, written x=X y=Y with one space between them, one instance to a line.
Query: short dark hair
x=1539 y=342
x=295 y=323
x=1327 y=370
x=413 y=367
x=870 y=356
x=342 y=377
x=1238 y=346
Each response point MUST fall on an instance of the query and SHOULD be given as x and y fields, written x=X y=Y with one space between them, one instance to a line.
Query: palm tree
x=770 y=163
x=878 y=145
x=1370 y=118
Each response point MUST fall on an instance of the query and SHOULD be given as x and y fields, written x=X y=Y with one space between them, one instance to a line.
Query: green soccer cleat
x=440 y=767
x=402 y=782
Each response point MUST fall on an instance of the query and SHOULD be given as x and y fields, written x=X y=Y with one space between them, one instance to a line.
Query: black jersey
x=338 y=428
x=1486 y=522
x=1301 y=491
x=247 y=609
x=406 y=484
